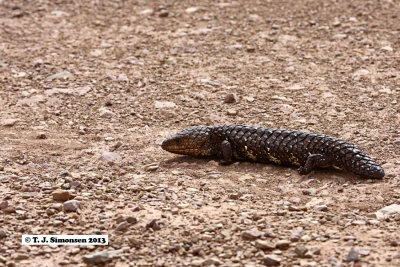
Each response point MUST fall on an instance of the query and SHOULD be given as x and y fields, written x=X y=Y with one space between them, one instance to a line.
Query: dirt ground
x=89 y=89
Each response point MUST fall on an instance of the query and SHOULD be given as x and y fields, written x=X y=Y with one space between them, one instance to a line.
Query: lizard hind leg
x=226 y=149
x=315 y=160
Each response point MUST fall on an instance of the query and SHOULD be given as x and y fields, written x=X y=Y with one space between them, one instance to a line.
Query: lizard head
x=193 y=141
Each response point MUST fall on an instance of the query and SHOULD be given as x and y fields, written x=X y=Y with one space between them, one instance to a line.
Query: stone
x=272 y=260
x=131 y=219
x=61 y=75
x=296 y=87
x=123 y=226
x=191 y=10
x=21 y=256
x=300 y=251
x=81 y=91
x=9 y=122
x=3 y=204
x=163 y=14
x=197 y=263
x=109 y=156
x=282 y=244
x=387 y=48
x=41 y=135
x=232 y=112
x=361 y=73
x=71 y=205
x=387 y=211
x=151 y=167
x=315 y=250
x=339 y=36
x=164 y=104
x=61 y=195
x=296 y=235
x=396 y=255
x=96 y=52
x=57 y=206
x=290 y=69
x=146 y=12
x=37 y=62
x=229 y=98
x=251 y=234
x=321 y=207
x=9 y=210
x=363 y=251
x=153 y=223
x=106 y=113
x=57 y=223
x=100 y=257
x=284 y=108
x=3 y=233
x=264 y=245
x=353 y=255
x=213 y=261
x=234 y=196
x=336 y=22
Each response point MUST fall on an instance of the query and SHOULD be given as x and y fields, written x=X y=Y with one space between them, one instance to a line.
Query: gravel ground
x=89 y=89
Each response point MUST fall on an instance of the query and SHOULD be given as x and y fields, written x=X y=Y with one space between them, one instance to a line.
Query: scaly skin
x=266 y=145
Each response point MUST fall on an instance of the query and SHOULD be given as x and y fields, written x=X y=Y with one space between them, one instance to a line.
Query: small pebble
x=234 y=196
x=251 y=234
x=264 y=245
x=272 y=260
x=109 y=156
x=153 y=223
x=131 y=219
x=2 y=233
x=232 y=112
x=163 y=14
x=308 y=192
x=108 y=102
x=321 y=207
x=3 y=204
x=296 y=235
x=122 y=226
x=283 y=244
x=21 y=256
x=250 y=49
x=61 y=195
x=397 y=255
x=151 y=167
x=9 y=122
x=300 y=251
x=41 y=136
x=60 y=75
x=100 y=257
x=353 y=255
x=9 y=210
x=71 y=205
x=229 y=98
x=106 y=113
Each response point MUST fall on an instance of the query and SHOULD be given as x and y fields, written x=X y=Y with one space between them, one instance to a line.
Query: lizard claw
x=225 y=163
x=303 y=171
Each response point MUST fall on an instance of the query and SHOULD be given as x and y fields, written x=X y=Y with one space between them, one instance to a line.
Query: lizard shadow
x=244 y=167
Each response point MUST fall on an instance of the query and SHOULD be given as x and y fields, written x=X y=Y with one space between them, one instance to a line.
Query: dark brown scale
x=266 y=145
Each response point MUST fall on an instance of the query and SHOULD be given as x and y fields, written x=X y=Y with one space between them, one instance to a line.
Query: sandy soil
x=89 y=89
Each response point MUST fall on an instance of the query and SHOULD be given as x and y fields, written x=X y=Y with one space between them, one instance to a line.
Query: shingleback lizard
x=266 y=145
